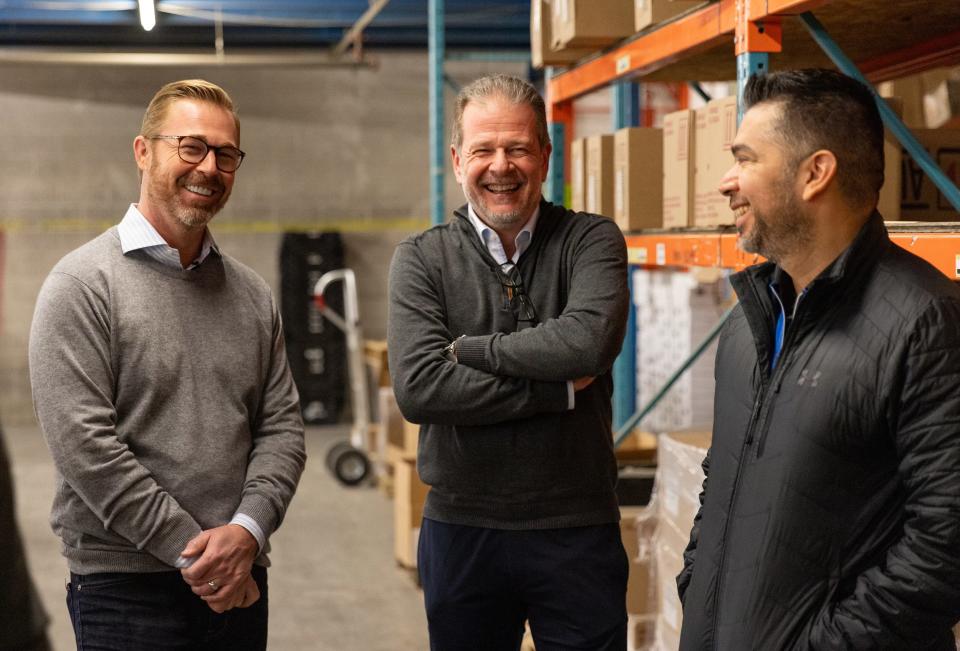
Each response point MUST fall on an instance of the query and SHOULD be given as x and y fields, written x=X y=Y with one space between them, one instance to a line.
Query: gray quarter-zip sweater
x=498 y=445
x=167 y=403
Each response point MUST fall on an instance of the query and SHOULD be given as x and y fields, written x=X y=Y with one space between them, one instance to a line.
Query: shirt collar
x=492 y=241
x=136 y=232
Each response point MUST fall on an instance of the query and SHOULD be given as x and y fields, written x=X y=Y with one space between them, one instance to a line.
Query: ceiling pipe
x=352 y=35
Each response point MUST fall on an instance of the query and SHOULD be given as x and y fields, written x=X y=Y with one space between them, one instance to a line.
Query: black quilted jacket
x=830 y=517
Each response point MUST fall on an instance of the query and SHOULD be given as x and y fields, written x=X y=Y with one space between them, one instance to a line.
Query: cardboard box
x=638 y=178
x=599 y=185
x=578 y=175
x=590 y=23
x=920 y=199
x=651 y=12
x=409 y=495
x=641 y=594
x=678 y=148
x=390 y=420
x=716 y=127
x=640 y=632
x=541 y=46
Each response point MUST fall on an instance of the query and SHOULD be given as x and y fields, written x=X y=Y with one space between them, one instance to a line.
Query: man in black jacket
x=515 y=442
x=830 y=516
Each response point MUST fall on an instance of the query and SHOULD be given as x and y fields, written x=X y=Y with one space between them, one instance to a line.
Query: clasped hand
x=220 y=573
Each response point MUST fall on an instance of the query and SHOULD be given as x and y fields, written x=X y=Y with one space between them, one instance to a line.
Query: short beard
x=195 y=218
x=784 y=231
x=494 y=220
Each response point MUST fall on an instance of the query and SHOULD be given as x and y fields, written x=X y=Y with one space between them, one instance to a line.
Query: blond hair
x=196 y=89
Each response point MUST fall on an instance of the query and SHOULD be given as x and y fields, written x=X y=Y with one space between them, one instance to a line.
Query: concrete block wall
x=328 y=149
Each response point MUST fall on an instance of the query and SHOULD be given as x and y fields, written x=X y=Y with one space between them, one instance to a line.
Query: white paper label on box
x=637 y=255
x=592 y=194
x=957 y=261
x=623 y=64
x=661 y=253
x=618 y=191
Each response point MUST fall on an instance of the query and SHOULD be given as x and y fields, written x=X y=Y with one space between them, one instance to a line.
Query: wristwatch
x=450 y=351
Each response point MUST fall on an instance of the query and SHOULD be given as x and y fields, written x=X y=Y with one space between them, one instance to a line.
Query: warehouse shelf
x=887 y=39
x=938 y=243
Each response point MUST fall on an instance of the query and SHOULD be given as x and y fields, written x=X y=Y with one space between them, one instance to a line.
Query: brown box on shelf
x=638 y=178
x=375 y=355
x=716 y=127
x=651 y=12
x=678 y=148
x=409 y=495
x=920 y=199
x=403 y=443
x=590 y=23
x=541 y=45
x=390 y=421
x=636 y=524
x=599 y=185
x=640 y=446
x=578 y=175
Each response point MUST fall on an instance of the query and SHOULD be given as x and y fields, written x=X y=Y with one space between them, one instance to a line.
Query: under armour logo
x=805 y=375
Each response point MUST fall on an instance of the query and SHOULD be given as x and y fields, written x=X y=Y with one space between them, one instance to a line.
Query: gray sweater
x=166 y=401
x=498 y=445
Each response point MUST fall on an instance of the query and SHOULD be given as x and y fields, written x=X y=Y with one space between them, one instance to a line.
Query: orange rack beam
x=934 y=243
x=699 y=30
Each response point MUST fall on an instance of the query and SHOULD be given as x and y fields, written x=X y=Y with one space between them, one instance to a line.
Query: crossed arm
x=504 y=379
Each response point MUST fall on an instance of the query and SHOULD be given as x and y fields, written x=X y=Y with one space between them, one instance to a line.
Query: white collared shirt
x=137 y=233
x=492 y=240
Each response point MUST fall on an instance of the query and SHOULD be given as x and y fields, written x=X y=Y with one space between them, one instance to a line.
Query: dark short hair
x=513 y=89
x=825 y=109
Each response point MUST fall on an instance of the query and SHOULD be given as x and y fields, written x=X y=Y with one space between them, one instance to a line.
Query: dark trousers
x=480 y=585
x=147 y=611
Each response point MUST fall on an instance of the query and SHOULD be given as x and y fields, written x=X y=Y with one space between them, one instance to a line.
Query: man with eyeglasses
x=503 y=326
x=161 y=384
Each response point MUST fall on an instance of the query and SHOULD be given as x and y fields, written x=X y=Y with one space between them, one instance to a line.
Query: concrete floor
x=334 y=585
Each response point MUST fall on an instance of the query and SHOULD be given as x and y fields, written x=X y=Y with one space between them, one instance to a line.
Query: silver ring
x=213 y=585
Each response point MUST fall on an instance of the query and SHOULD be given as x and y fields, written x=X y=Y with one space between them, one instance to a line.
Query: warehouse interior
x=344 y=144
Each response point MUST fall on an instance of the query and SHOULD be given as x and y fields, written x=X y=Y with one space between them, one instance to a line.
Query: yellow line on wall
x=260 y=227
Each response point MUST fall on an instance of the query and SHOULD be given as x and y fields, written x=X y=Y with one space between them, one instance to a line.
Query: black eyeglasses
x=193 y=150
x=512 y=284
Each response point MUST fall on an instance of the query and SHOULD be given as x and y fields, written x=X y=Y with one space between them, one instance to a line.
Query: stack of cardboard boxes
x=696 y=154
x=675 y=311
x=678 y=485
x=401 y=478
x=563 y=31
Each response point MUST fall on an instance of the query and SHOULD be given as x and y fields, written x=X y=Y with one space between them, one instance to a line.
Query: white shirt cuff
x=251 y=525
x=571 y=401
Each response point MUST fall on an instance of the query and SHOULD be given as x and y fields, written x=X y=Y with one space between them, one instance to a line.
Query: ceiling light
x=148 y=17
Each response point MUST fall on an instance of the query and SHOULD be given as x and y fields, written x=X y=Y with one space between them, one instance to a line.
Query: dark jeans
x=146 y=611
x=480 y=585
